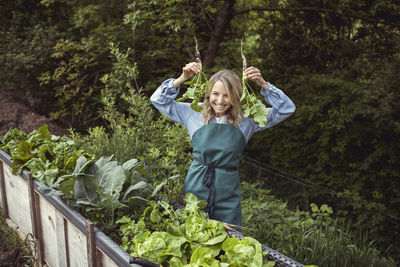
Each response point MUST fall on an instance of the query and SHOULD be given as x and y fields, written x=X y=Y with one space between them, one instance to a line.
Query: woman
x=219 y=135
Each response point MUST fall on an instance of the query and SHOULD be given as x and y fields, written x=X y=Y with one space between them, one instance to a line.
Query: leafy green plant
x=321 y=213
x=198 y=86
x=196 y=90
x=252 y=106
x=102 y=190
x=77 y=93
x=245 y=252
x=191 y=238
x=46 y=156
x=105 y=189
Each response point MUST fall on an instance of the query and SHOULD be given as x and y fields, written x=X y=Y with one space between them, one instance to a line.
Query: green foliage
x=268 y=219
x=105 y=190
x=46 y=156
x=319 y=213
x=131 y=128
x=252 y=106
x=337 y=60
x=245 y=252
x=198 y=86
x=185 y=237
x=102 y=190
x=308 y=237
x=172 y=25
x=316 y=37
x=62 y=44
x=123 y=75
x=365 y=215
x=75 y=87
x=29 y=31
x=339 y=155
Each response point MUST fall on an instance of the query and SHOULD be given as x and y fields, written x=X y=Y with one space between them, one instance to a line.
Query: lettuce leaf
x=245 y=252
x=203 y=257
x=159 y=246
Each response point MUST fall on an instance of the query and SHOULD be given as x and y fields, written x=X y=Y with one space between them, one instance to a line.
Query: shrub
x=308 y=237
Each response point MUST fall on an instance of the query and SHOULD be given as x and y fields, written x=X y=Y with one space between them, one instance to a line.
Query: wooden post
x=99 y=257
x=35 y=219
x=66 y=241
x=91 y=244
x=4 y=204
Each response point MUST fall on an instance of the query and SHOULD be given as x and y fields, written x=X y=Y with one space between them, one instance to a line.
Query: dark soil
x=16 y=113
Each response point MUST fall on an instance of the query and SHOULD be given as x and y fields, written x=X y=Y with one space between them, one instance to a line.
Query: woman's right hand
x=188 y=71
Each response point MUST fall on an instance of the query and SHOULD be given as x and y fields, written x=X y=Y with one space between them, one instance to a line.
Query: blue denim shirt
x=163 y=100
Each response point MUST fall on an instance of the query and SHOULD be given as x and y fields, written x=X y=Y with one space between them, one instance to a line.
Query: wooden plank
x=77 y=246
x=62 y=248
x=36 y=221
x=18 y=200
x=4 y=204
x=111 y=254
x=91 y=244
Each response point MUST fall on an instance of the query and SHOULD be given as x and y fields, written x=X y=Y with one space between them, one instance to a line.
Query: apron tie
x=209 y=182
x=209 y=177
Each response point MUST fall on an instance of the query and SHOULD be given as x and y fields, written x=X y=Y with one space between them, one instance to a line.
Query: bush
x=308 y=237
x=132 y=128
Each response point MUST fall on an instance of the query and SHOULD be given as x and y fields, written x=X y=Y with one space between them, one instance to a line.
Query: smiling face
x=223 y=98
x=219 y=99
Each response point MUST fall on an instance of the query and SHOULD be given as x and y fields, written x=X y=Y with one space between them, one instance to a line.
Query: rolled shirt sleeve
x=164 y=100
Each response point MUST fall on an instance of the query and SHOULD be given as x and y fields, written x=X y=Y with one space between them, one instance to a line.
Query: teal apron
x=213 y=175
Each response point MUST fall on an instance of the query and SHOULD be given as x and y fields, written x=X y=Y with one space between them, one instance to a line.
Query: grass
x=336 y=245
x=14 y=241
x=308 y=237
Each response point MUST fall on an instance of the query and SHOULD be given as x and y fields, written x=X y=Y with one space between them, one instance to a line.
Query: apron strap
x=209 y=182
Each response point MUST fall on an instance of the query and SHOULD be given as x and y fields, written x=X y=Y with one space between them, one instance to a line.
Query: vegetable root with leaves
x=252 y=106
x=198 y=86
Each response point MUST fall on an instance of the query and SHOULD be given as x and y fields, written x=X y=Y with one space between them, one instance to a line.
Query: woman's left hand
x=254 y=74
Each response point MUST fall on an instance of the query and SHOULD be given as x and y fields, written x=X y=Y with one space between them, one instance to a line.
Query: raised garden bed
x=63 y=236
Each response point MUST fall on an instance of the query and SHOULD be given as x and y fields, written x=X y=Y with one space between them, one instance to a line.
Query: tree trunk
x=224 y=17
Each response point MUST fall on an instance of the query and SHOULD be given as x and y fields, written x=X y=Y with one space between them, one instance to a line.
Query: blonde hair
x=233 y=85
